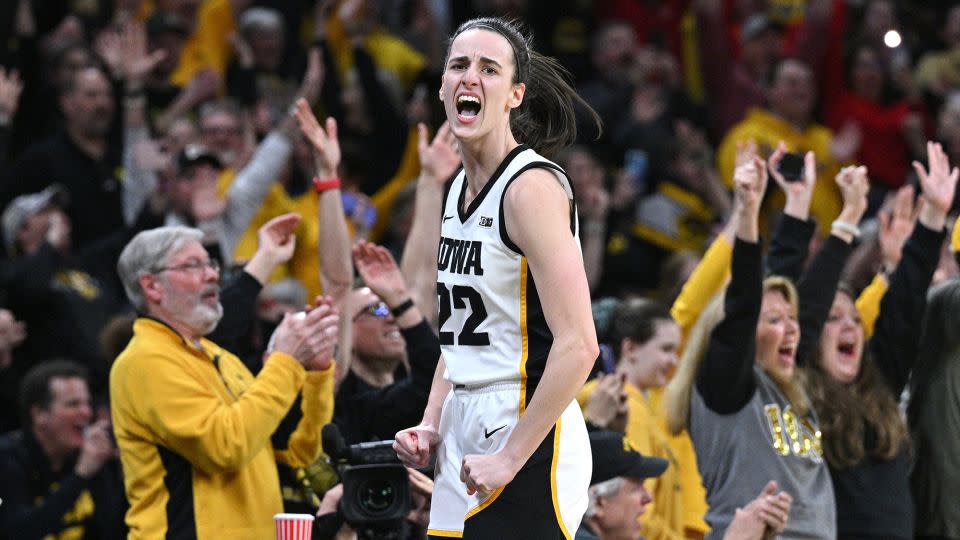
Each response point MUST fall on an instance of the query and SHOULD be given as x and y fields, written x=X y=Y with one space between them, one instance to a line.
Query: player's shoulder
x=535 y=186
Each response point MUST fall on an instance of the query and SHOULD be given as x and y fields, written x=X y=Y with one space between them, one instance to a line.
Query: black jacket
x=38 y=501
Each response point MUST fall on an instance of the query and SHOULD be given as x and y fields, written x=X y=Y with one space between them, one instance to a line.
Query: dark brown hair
x=846 y=412
x=545 y=120
x=35 y=387
x=636 y=319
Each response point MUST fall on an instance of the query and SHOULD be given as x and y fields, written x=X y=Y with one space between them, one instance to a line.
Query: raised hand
x=854 y=185
x=58 y=231
x=329 y=328
x=746 y=151
x=96 y=450
x=896 y=226
x=325 y=143
x=276 y=238
x=749 y=183
x=10 y=88
x=799 y=193
x=108 y=47
x=241 y=50
x=309 y=336
x=414 y=446
x=938 y=186
x=136 y=63
x=12 y=333
x=380 y=272
x=313 y=78
x=439 y=158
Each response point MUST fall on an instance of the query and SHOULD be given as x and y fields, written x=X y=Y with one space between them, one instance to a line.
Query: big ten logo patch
x=792 y=434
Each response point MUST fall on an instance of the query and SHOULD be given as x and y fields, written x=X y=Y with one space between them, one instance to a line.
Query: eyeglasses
x=193 y=266
x=377 y=309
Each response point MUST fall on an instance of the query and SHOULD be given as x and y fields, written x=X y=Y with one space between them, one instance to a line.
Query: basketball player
x=516 y=331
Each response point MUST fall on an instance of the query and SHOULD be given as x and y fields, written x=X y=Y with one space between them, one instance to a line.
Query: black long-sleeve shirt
x=873 y=496
x=364 y=413
x=725 y=378
x=727 y=390
x=38 y=501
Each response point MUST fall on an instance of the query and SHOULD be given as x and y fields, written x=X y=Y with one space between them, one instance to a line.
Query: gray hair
x=261 y=18
x=607 y=488
x=146 y=253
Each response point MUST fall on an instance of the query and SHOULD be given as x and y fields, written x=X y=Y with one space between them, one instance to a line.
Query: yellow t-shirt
x=665 y=517
x=305 y=264
x=208 y=46
x=388 y=52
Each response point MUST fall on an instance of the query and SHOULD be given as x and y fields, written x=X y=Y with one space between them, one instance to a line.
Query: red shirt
x=883 y=148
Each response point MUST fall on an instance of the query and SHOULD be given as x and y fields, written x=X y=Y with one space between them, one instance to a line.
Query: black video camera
x=376 y=488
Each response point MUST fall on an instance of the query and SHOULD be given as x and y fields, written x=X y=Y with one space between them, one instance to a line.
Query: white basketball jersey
x=491 y=322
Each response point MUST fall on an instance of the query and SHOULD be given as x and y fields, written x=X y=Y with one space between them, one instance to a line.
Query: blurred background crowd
x=118 y=116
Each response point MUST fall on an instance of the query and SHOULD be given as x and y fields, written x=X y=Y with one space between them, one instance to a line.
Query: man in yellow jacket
x=192 y=423
x=789 y=118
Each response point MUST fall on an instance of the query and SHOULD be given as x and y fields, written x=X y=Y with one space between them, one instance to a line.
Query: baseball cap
x=614 y=455
x=24 y=206
x=163 y=22
x=194 y=154
x=756 y=25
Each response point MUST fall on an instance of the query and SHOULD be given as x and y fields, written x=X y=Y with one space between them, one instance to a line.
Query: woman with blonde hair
x=743 y=402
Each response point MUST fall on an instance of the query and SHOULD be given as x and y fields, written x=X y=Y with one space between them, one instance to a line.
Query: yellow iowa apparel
x=664 y=518
x=767 y=130
x=193 y=426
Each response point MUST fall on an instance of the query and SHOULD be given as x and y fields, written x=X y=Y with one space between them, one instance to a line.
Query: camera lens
x=376 y=496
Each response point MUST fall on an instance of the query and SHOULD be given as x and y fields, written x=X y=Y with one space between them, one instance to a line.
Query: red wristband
x=326 y=184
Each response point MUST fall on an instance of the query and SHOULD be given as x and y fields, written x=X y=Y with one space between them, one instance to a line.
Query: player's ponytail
x=545 y=120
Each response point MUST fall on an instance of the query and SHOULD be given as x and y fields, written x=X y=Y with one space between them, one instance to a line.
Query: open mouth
x=846 y=349
x=468 y=106
x=210 y=296
x=787 y=353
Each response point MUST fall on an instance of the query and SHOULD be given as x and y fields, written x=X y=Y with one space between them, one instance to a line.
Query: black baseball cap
x=195 y=154
x=614 y=455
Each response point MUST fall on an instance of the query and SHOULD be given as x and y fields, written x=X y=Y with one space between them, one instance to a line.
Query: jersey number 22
x=457 y=297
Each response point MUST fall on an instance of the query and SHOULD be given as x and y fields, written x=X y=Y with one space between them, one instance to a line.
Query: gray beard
x=205 y=319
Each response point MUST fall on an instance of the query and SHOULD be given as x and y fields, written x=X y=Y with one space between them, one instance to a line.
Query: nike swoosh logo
x=447 y=217
x=488 y=434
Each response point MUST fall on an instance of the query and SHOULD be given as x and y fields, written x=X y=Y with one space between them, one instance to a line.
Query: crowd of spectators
x=179 y=142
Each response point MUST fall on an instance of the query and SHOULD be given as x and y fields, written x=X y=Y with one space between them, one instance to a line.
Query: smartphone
x=791 y=167
x=635 y=164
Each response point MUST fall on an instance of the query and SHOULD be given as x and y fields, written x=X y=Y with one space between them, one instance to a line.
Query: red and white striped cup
x=294 y=526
